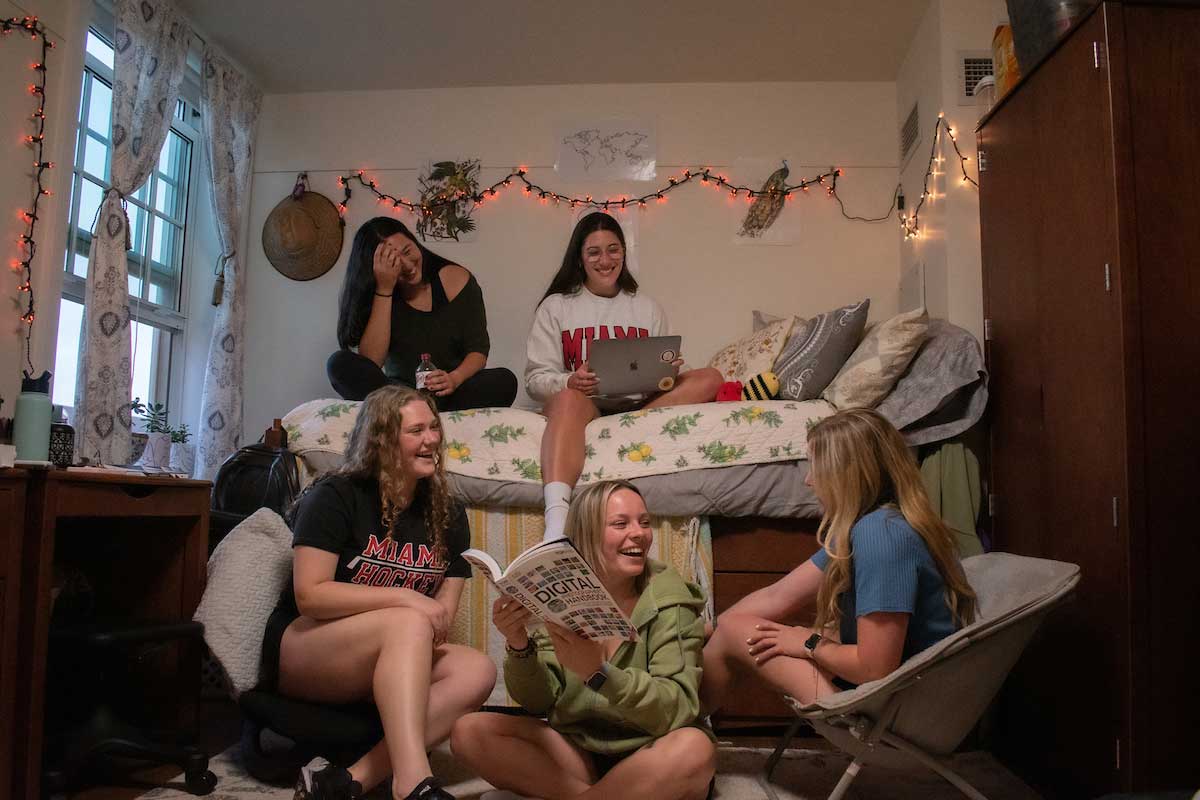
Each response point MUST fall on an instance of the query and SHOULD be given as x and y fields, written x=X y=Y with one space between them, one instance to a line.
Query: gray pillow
x=944 y=390
x=809 y=362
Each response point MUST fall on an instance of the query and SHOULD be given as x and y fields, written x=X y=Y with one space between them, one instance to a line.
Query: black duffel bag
x=261 y=475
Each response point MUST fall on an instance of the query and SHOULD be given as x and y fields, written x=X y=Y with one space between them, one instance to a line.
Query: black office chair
x=341 y=733
x=85 y=734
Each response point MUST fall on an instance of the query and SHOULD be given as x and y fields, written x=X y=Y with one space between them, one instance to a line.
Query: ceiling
x=317 y=45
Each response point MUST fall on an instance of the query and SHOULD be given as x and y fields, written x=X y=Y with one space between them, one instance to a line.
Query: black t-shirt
x=342 y=516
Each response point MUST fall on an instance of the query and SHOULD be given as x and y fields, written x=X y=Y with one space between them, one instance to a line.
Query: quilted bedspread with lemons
x=504 y=443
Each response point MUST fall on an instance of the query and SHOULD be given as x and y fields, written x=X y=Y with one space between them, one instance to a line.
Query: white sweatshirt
x=565 y=325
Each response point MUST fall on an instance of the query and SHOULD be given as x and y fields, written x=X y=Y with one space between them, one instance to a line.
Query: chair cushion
x=246 y=574
x=313 y=723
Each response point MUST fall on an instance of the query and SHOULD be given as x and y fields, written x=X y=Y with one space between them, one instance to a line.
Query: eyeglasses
x=615 y=251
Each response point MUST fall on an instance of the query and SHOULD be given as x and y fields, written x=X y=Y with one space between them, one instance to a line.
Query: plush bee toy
x=763 y=386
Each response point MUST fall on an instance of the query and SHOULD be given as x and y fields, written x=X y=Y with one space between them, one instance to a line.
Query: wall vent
x=972 y=65
x=910 y=135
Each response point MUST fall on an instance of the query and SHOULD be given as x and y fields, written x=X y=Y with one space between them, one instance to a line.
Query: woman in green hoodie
x=620 y=716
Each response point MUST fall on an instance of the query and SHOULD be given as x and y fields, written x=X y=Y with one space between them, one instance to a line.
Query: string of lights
x=910 y=223
x=705 y=175
x=27 y=243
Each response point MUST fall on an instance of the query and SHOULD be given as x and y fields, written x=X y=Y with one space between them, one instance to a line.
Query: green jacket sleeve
x=535 y=681
x=473 y=318
x=666 y=695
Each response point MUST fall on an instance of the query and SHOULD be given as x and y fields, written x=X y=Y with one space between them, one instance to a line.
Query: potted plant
x=182 y=455
x=158 y=433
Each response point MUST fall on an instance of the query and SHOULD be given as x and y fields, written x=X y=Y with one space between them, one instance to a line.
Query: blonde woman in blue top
x=887 y=582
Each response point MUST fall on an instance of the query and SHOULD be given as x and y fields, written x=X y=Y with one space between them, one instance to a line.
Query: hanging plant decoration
x=448 y=194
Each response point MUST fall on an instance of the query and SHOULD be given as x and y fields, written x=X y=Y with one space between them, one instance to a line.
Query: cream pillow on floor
x=878 y=361
x=756 y=353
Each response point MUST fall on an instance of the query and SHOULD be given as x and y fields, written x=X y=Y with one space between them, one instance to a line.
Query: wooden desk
x=142 y=541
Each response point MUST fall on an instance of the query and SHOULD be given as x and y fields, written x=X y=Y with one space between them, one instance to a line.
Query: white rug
x=801 y=775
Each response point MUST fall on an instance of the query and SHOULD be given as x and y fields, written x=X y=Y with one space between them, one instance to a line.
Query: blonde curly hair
x=369 y=455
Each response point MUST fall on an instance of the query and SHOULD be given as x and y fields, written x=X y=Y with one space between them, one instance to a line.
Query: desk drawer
x=135 y=500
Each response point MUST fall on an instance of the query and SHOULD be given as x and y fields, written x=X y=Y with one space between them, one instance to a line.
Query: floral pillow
x=756 y=353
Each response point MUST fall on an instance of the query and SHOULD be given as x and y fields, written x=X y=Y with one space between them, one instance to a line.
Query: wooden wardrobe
x=1090 y=225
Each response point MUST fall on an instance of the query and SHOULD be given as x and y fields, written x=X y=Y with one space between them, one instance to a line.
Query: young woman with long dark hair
x=593 y=295
x=399 y=300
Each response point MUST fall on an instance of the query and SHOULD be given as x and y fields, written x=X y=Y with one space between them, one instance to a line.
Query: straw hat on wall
x=302 y=236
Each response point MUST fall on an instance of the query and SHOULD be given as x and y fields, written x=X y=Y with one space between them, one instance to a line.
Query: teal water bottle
x=31 y=423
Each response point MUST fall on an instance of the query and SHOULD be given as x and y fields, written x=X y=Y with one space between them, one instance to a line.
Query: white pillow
x=246 y=574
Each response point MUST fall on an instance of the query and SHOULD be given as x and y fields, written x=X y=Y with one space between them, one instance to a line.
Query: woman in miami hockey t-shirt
x=592 y=296
x=377 y=576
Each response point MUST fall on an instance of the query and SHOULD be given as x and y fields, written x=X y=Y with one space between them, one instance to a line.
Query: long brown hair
x=587 y=517
x=370 y=456
x=859 y=462
x=571 y=275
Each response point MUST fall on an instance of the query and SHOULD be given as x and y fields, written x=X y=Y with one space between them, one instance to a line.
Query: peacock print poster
x=769 y=219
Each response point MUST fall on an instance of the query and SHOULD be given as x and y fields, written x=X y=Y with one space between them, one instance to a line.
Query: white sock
x=558 y=499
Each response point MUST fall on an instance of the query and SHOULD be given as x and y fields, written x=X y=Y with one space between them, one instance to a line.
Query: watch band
x=598 y=677
x=810 y=644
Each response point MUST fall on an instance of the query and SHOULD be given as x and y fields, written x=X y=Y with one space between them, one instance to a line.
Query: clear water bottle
x=423 y=369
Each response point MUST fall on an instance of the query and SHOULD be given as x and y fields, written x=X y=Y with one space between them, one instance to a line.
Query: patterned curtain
x=151 y=52
x=231 y=104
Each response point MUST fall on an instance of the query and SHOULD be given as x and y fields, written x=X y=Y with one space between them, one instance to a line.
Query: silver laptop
x=634 y=366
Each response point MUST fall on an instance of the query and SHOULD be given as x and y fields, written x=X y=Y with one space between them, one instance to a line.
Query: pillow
x=761 y=319
x=747 y=357
x=878 y=361
x=246 y=574
x=944 y=391
x=809 y=362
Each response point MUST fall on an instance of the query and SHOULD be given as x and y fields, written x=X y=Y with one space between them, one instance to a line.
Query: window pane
x=80 y=265
x=90 y=196
x=166 y=198
x=165 y=256
x=100 y=108
x=137 y=228
x=66 y=356
x=95 y=157
x=143 y=192
x=135 y=283
x=145 y=341
x=100 y=49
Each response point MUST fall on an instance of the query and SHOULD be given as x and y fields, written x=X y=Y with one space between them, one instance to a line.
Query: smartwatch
x=598 y=677
x=810 y=644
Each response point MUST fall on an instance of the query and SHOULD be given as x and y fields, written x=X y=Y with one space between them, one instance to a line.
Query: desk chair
x=102 y=737
x=924 y=709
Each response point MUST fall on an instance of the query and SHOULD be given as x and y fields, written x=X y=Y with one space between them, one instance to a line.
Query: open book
x=556 y=585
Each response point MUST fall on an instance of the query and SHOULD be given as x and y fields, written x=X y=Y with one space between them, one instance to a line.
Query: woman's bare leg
x=693 y=386
x=727 y=654
x=523 y=755
x=678 y=766
x=386 y=654
x=567 y=414
x=462 y=678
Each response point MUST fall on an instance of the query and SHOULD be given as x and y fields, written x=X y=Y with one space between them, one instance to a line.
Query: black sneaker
x=429 y=789
x=320 y=780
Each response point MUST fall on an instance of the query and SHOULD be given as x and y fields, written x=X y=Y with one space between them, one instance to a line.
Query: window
x=158 y=220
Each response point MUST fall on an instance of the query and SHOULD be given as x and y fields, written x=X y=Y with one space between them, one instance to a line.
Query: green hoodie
x=653 y=683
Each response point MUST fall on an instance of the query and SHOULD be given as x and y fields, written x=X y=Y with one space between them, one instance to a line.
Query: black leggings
x=355 y=376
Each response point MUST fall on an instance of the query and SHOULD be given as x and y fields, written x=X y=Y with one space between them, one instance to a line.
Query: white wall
x=66 y=21
x=947 y=249
x=689 y=262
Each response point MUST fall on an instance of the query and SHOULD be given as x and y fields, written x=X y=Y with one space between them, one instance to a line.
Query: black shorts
x=605 y=762
x=268 y=671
